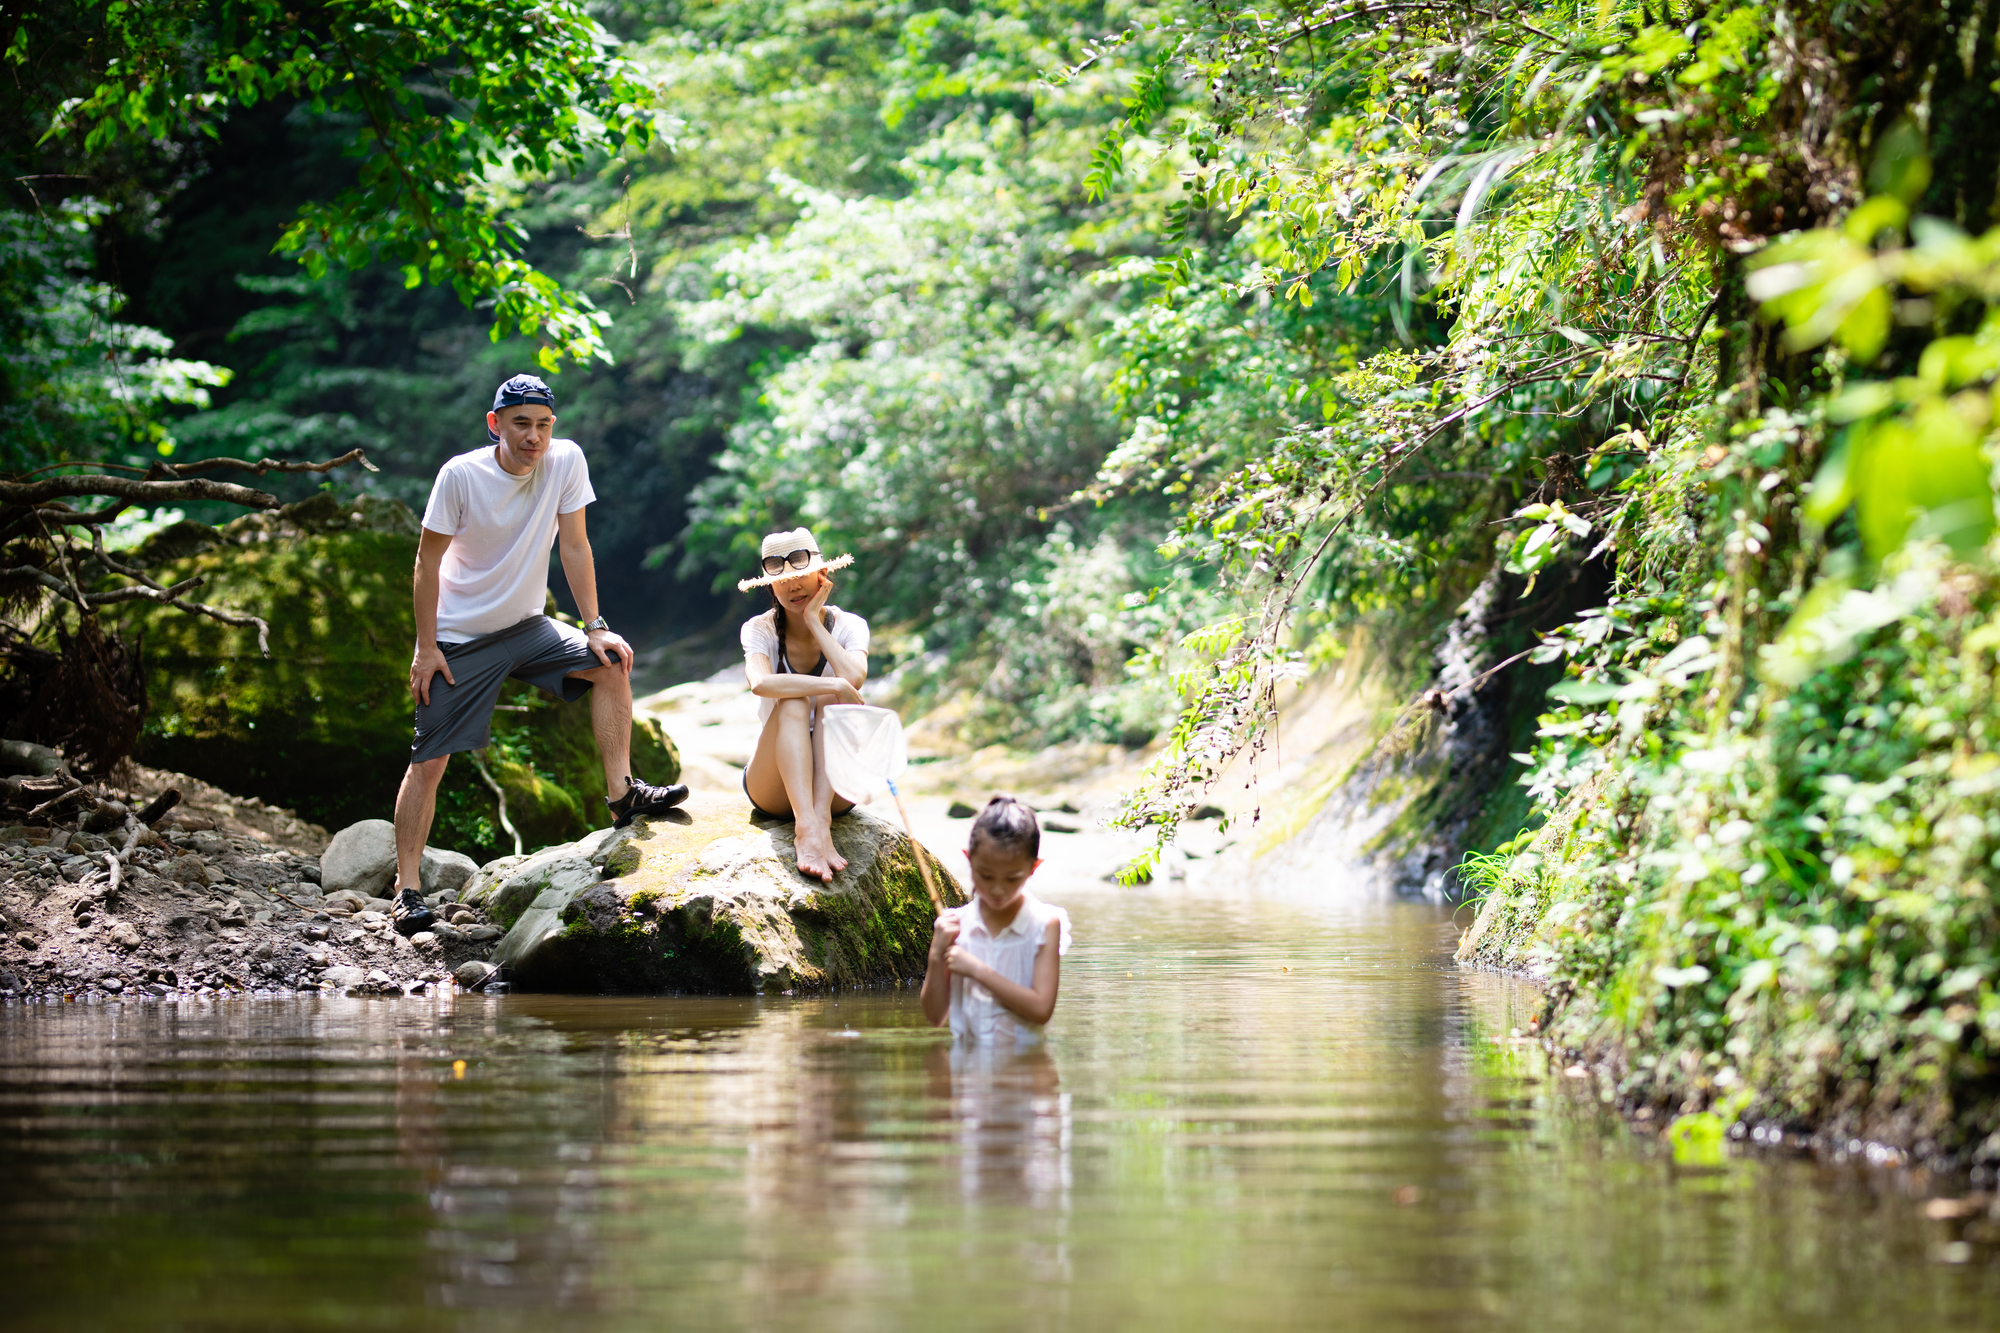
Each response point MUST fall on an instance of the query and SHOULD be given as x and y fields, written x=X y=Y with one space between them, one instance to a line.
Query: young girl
x=798 y=657
x=995 y=962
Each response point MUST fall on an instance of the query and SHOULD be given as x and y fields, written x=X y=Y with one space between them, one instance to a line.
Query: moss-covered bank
x=1792 y=920
x=323 y=724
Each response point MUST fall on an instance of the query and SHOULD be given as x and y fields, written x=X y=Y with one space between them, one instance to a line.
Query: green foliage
x=1676 y=301
x=448 y=100
x=1911 y=459
x=75 y=382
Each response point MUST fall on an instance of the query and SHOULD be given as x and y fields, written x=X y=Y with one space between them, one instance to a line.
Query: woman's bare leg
x=823 y=800
x=781 y=779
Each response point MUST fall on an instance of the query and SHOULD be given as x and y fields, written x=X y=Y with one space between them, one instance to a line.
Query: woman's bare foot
x=813 y=848
x=833 y=856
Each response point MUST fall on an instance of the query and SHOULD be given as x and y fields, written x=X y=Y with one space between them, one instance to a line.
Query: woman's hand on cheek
x=820 y=594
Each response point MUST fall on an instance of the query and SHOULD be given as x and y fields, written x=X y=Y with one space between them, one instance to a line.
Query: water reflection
x=1012 y=1122
x=1249 y=1113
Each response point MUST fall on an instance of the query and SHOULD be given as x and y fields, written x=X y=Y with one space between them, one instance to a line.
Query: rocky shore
x=225 y=896
x=221 y=896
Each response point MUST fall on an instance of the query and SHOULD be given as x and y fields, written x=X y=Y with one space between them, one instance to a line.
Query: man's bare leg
x=611 y=724
x=416 y=806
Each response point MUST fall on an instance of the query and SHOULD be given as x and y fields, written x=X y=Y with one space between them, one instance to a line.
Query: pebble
x=112 y=985
x=423 y=939
x=481 y=934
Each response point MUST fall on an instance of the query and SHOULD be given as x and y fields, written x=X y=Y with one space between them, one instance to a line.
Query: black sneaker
x=410 y=914
x=643 y=798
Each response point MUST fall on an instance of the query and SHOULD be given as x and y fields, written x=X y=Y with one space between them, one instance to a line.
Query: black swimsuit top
x=786 y=667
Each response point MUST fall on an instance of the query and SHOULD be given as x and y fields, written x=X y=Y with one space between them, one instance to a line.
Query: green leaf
x=1583 y=692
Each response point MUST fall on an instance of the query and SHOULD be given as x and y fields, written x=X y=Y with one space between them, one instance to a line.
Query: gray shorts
x=539 y=650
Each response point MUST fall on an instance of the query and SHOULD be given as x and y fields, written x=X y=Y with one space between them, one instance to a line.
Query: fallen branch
x=55 y=802
x=157 y=808
x=118 y=860
x=136 y=489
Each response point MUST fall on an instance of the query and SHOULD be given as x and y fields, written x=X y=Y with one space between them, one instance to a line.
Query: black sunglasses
x=799 y=559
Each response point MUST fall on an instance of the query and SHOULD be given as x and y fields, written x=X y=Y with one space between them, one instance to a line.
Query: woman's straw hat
x=785 y=544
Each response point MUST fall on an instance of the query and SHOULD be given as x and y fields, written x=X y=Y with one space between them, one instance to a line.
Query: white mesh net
x=864 y=749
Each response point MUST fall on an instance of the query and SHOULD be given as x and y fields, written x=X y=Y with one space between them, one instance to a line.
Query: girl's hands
x=944 y=937
x=962 y=962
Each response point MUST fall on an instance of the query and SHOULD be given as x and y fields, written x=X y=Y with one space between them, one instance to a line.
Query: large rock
x=446 y=872
x=362 y=858
x=322 y=725
x=708 y=898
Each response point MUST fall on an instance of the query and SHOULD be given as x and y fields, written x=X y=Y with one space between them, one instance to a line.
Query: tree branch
x=153 y=592
x=227 y=618
x=133 y=489
x=265 y=465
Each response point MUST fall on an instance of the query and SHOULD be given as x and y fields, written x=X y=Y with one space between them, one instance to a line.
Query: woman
x=800 y=656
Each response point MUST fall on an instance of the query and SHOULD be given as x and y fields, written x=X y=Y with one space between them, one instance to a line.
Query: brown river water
x=1208 y=1140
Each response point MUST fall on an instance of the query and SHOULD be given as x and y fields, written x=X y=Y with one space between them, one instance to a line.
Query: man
x=481 y=583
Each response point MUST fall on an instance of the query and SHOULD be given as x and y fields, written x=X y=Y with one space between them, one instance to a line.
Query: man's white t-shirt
x=496 y=571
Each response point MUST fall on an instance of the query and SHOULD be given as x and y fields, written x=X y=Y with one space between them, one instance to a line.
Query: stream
x=1251 y=1113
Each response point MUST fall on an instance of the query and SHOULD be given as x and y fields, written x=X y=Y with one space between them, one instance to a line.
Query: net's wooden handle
x=923 y=862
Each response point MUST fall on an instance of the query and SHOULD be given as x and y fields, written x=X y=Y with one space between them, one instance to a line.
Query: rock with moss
x=708 y=898
x=323 y=724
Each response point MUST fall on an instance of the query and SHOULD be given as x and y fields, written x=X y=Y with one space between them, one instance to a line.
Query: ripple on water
x=1250 y=1114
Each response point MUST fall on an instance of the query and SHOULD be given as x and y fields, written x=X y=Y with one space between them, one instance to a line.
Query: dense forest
x=1151 y=356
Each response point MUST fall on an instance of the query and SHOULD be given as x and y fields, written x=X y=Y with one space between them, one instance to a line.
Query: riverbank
x=222 y=895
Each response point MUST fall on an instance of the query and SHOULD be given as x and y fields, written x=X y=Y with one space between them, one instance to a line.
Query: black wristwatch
x=599 y=623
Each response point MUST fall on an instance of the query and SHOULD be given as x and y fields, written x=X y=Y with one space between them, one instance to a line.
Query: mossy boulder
x=709 y=898
x=323 y=724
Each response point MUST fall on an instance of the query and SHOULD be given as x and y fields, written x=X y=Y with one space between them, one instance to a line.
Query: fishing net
x=864 y=749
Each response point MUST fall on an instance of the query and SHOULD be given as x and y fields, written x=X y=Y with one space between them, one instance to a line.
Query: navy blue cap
x=521 y=389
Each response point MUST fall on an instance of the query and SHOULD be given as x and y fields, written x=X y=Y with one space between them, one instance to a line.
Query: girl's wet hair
x=1009 y=825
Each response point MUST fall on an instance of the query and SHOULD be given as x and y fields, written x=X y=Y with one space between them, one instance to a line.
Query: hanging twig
x=624 y=234
x=500 y=797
